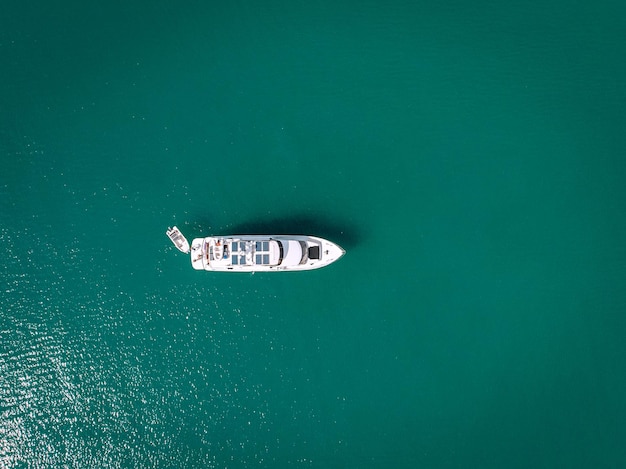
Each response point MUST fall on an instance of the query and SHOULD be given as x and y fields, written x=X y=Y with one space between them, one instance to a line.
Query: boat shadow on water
x=344 y=234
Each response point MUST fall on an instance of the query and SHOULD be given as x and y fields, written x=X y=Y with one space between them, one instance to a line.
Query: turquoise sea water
x=469 y=156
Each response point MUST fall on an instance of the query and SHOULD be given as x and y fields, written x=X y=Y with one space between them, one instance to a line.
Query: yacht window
x=262 y=246
x=235 y=260
x=235 y=246
x=242 y=260
x=262 y=259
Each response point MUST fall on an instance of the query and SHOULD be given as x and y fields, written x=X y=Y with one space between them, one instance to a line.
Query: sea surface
x=469 y=156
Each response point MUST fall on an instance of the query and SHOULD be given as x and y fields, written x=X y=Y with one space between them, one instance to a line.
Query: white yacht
x=258 y=253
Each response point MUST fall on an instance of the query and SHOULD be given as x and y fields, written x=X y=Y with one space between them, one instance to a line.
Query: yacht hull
x=263 y=253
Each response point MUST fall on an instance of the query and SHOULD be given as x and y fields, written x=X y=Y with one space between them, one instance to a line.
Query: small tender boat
x=178 y=239
x=260 y=253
